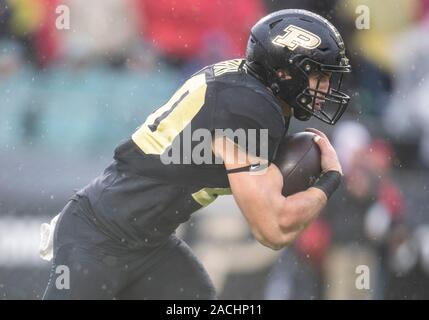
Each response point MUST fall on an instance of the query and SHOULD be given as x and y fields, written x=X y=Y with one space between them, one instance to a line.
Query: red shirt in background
x=46 y=40
x=179 y=28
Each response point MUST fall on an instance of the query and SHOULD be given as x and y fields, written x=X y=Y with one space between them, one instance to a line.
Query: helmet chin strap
x=289 y=111
x=301 y=114
x=297 y=112
x=256 y=71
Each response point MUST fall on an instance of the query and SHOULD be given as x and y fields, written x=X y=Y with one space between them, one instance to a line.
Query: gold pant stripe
x=206 y=196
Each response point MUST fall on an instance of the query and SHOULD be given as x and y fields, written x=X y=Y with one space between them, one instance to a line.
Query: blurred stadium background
x=68 y=97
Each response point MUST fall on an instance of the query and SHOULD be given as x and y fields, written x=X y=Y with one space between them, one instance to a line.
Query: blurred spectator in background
x=10 y=58
x=407 y=116
x=5 y=13
x=182 y=30
x=376 y=42
x=348 y=138
x=100 y=30
x=298 y=273
x=16 y=124
x=371 y=48
x=208 y=53
x=408 y=276
x=367 y=209
x=33 y=22
x=97 y=72
x=46 y=37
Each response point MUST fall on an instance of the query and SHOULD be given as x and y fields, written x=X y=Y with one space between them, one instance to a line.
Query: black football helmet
x=300 y=42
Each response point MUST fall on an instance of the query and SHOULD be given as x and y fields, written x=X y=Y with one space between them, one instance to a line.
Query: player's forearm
x=286 y=218
x=298 y=211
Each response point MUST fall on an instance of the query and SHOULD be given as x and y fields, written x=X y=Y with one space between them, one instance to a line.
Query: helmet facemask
x=326 y=104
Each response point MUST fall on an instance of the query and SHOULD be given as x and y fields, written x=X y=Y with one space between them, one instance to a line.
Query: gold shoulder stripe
x=181 y=114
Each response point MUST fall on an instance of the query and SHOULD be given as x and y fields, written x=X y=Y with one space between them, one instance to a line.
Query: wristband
x=328 y=182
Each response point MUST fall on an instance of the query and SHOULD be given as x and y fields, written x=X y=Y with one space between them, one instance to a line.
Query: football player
x=117 y=234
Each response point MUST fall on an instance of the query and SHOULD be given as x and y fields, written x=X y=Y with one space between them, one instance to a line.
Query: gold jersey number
x=164 y=124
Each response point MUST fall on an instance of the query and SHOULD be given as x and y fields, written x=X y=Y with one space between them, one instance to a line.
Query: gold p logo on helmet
x=296 y=36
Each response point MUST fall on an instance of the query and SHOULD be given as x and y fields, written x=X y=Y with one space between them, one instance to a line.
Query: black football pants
x=99 y=268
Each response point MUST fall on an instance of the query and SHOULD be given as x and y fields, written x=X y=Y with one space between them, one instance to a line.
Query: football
x=298 y=158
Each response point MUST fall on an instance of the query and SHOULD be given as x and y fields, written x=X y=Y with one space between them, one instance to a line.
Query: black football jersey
x=139 y=199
